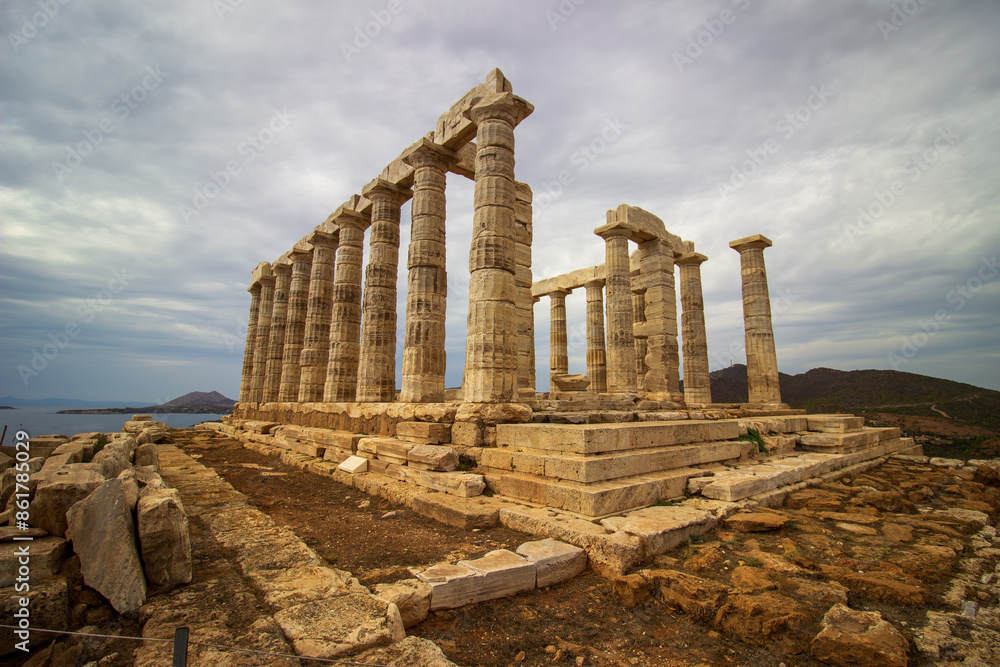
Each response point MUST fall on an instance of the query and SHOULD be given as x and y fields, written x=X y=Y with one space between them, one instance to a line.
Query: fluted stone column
x=621 y=342
x=762 y=361
x=263 y=334
x=316 y=340
x=345 y=324
x=246 y=378
x=377 y=373
x=656 y=261
x=597 y=360
x=491 y=349
x=279 y=319
x=697 y=388
x=558 y=344
x=295 y=326
x=639 y=319
x=523 y=301
x=424 y=360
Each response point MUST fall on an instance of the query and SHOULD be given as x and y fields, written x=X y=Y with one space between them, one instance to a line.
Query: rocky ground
x=754 y=592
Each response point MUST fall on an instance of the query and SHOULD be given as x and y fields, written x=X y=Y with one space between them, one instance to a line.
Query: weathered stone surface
x=130 y=487
x=340 y=626
x=8 y=533
x=464 y=485
x=48 y=602
x=697 y=597
x=554 y=561
x=853 y=637
x=433 y=457
x=45 y=555
x=756 y=522
x=571 y=382
x=662 y=528
x=56 y=493
x=412 y=652
x=164 y=538
x=451 y=585
x=110 y=462
x=104 y=537
x=465 y=513
x=765 y=619
x=503 y=573
x=297 y=585
x=354 y=465
x=147 y=455
x=411 y=596
x=426 y=433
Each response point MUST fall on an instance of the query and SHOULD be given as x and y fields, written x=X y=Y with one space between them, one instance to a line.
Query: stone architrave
x=246 y=378
x=523 y=301
x=597 y=369
x=295 y=326
x=424 y=359
x=621 y=340
x=377 y=375
x=697 y=389
x=558 y=352
x=639 y=315
x=279 y=316
x=316 y=339
x=656 y=262
x=762 y=361
x=345 y=325
x=263 y=334
x=491 y=349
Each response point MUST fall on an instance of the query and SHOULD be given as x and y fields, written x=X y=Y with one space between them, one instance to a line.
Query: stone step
x=604 y=438
x=423 y=433
x=776 y=424
x=835 y=423
x=603 y=467
x=314 y=441
x=594 y=499
x=844 y=443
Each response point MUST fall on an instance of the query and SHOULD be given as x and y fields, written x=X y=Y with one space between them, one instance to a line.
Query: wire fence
x=181 y=643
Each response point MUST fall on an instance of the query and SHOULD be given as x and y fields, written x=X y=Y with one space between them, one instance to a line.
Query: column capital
x=348 y=217
x=318 y=237
x=750 y=242
x=259 y=271
x=254 y=289
x=611 y=231
x=559 y=293
x=426 y=153
x=690 y=259
x=380 y=188
x=596 y=283
x=501 y=106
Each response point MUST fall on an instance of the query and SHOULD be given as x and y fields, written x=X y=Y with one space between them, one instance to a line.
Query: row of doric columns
x=316 y=333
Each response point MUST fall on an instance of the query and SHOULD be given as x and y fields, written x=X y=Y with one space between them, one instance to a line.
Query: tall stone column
x=639 y=319
x=762 y=361
x=263 y=334
x=621 y=342
x=656 y=261
x=316 y=340
x=246 y=378
x=491 y=349
x=424 y=360
x=597 y=360
x=558 y=348
x=523 y=301
x=697 y=388
x=295 y=326
x=377 y=375
x=345 y=324
x=279 y=316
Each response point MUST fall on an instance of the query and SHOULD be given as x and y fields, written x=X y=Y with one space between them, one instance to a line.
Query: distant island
x=7 y=407
x=196 y=402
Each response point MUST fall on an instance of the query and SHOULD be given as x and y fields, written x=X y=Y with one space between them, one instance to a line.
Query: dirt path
x=940 y=412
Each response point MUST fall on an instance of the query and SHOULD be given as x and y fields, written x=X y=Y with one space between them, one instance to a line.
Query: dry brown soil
x=593 y=621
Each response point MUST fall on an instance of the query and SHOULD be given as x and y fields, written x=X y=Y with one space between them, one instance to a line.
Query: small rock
x=756 y=522
x=389 y=514
x=579 y=661
x=969 y=608
x=519 y=658
x=853 y=637
x=364 y=503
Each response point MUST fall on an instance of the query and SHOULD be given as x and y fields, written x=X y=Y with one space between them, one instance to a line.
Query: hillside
x=200 y=399
x=827 y=389
x=195 y=402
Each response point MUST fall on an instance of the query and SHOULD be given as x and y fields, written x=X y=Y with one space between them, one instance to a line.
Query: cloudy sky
x=860 y=137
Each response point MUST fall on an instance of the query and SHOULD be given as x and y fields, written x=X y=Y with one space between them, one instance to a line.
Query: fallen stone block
x=73 y=448
x=110 y=462
x=411 y=596
x=45 y=557
x=465 y=513
x=56 y=493
x=464 y=485
x=756 y=522
x=354 y=465
x=341 y=625
x=850 y=637
x=504 y=574
x=662 y=528
x=164 y=537
x=425 y=433
x=147 y=455
x=432 y=457
x=451 y=585
x=104 y=537
x=297 y=585
x=555 y=561
x=413 y=651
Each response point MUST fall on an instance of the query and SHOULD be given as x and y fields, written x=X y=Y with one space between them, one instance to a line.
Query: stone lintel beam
x=454 y=128
x=447 y=155
x=755 y=241
x=568 y=281
x=262 y=270
x=690 y=259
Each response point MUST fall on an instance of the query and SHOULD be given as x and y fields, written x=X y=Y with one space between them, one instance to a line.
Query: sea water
x=43 y=420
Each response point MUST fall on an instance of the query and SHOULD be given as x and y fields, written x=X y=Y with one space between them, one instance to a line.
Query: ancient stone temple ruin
x=319 y=372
